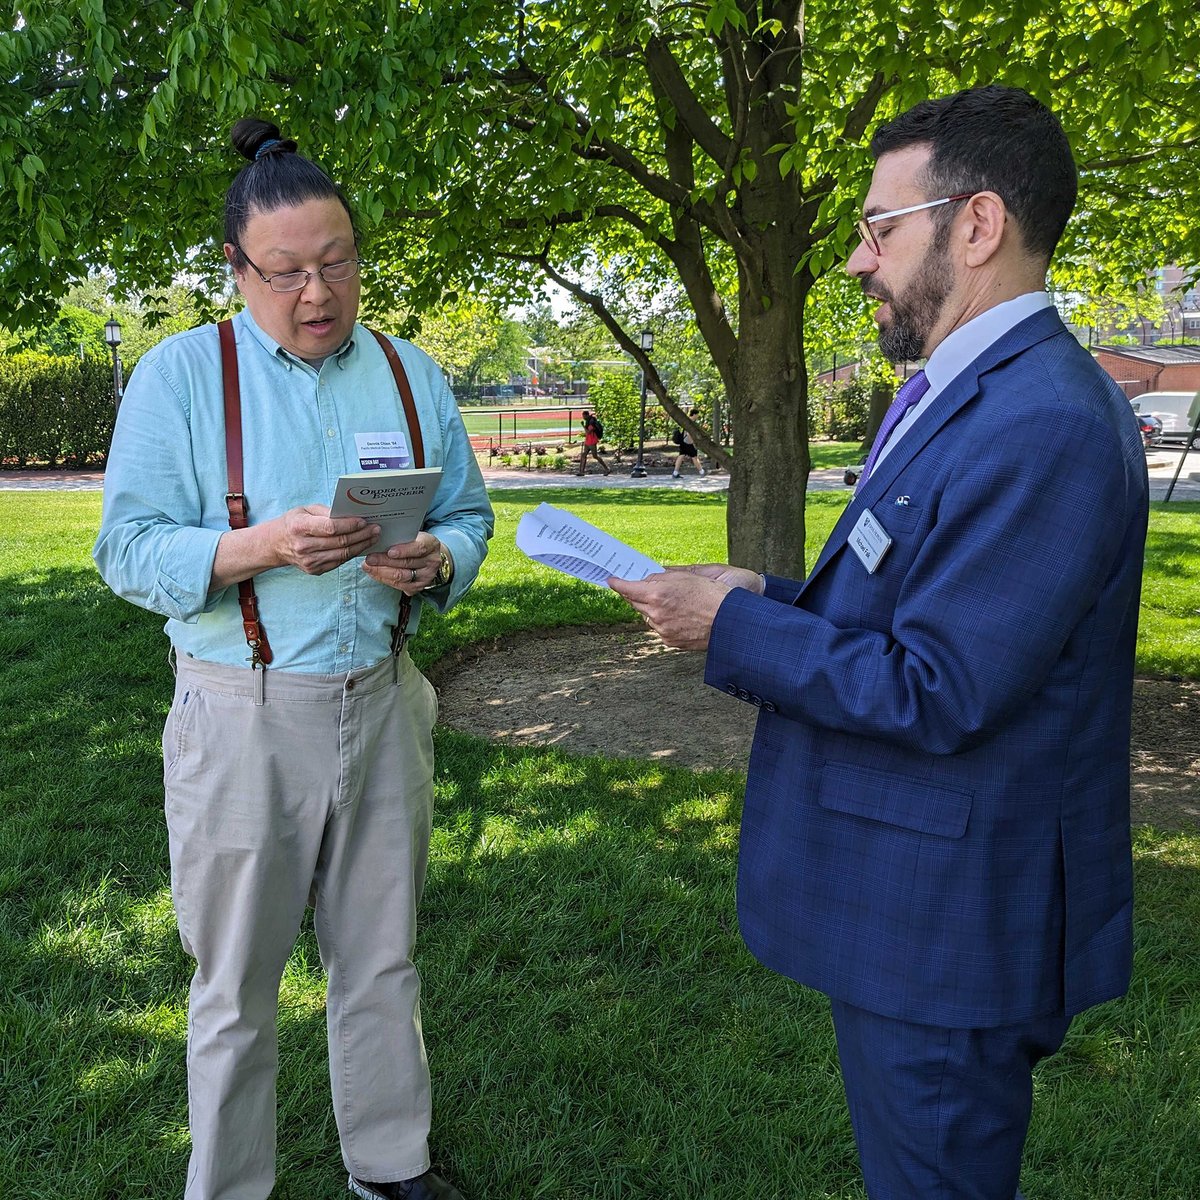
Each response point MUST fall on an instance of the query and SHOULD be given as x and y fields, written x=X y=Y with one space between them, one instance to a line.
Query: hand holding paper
x=559 y=539
x=680 y=605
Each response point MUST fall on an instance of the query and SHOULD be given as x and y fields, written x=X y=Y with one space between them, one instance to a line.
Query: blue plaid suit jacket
x=936 y=824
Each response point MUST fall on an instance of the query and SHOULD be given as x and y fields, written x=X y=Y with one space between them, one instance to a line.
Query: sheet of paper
x=559 y=539
x=396 y=501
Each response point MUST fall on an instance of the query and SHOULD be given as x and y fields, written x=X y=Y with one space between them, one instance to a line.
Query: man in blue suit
x=936 y=825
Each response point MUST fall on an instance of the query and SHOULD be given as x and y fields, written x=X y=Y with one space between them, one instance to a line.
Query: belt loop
x=260 y=675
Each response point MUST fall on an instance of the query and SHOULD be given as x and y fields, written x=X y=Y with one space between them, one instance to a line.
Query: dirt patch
x=622 y=692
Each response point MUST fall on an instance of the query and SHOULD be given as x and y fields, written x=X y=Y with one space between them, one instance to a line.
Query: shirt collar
x=965 y=344
x=244 y=321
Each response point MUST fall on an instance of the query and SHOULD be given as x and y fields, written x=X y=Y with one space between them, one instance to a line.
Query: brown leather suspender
x=235 y=498
x=416 y=453
x=406 y=397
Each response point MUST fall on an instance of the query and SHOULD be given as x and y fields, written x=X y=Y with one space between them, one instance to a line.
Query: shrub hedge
x=55 y=411
x=617 y=402
x=841 y=411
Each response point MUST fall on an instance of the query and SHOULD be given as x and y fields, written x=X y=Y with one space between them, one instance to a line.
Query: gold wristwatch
x=445 y=571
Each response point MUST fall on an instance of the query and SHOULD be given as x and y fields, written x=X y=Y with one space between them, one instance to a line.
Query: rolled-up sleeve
x=153 y=548
x=461 y=514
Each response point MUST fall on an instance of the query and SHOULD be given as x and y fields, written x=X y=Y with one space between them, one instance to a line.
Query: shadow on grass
x=1172 y=553
x=595 y=1027
x=575 y=498
x=497 y=610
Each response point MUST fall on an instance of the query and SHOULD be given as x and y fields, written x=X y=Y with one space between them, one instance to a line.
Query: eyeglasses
x=864 y=225
x=294 y=281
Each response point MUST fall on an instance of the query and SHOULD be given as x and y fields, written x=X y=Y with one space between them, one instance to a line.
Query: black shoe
x=429 y=1186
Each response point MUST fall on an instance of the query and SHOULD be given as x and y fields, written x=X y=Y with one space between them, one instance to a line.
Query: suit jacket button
x=769 y=706
x=743 y=694
x=756 y=701
x=731 y=688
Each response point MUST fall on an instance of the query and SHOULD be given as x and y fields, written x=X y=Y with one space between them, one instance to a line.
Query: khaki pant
x=322 y=793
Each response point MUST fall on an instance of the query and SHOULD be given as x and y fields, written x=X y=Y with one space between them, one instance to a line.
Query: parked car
x=1151 y=428
x=1174 y=410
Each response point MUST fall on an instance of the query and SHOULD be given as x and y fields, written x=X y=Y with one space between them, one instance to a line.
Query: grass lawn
x=596 y=1028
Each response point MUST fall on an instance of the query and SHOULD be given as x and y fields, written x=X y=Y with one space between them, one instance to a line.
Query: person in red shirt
x=592 y=433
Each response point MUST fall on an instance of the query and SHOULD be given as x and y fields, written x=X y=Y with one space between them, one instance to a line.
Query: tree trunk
x=770 y=437
x=881 y=399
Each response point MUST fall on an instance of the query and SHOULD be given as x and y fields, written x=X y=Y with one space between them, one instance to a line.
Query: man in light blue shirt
x=164 y=492
x=298 y=753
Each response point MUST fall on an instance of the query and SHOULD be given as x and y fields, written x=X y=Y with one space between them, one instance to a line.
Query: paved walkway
x=1162 y=464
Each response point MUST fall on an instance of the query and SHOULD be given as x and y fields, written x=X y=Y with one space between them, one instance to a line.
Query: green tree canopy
x=74 y=331
x=716 y=146
x=473 y=341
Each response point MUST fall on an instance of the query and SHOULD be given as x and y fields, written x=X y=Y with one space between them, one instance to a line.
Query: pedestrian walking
x=593 y=431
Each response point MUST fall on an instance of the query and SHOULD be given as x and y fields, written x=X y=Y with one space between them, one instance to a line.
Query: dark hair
x=276 y=177
x=996 y=139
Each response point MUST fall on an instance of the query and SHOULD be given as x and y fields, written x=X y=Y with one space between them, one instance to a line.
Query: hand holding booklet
x=396 y=501
x=559 y=539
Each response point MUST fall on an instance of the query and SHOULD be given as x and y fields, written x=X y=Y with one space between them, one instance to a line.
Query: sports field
x=551 y=425
x=509 y=424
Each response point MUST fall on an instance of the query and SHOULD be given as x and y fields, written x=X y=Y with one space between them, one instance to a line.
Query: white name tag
x=869 y=540
x=382 y=451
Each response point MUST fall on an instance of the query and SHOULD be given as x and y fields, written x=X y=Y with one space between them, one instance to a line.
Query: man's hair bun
x=253 y=137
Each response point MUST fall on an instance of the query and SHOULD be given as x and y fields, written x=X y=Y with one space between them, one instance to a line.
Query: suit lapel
x=961 y=391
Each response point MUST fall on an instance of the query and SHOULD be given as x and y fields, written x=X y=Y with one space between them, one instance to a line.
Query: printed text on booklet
x=396 y=501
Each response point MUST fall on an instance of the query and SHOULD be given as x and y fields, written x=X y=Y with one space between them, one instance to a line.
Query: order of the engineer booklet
x=396 y=501
x=561 y=540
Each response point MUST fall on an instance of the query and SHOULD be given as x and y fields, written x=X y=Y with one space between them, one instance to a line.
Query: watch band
x=445 y=571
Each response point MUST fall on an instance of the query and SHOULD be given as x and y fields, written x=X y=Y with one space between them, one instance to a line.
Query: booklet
x=396 y=501
x=561 y=540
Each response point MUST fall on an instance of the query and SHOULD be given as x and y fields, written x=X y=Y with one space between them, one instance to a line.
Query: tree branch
x=673 y=86
x=605 y=150
x=1128 y=160
x=52 y=85
x=618 y=212
x=865 y=107
x=654 y=382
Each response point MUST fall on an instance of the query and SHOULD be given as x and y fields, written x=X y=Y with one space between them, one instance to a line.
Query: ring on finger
x=412 y=574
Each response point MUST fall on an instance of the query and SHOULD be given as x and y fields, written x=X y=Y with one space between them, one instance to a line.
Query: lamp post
x=112 y=335
x=639 y=468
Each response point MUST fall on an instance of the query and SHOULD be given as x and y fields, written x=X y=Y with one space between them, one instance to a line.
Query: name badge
x=382 y=451
x=869 y=540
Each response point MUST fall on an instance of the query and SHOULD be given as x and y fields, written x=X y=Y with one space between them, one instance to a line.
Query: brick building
x=1141 y=369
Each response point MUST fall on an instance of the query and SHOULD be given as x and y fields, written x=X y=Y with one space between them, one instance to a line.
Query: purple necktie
x=911 y=390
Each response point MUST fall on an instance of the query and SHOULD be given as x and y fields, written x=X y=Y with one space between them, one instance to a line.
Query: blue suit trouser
x=940 y=1114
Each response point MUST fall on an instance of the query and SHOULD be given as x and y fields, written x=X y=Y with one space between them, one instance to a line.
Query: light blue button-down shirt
x=164 y=492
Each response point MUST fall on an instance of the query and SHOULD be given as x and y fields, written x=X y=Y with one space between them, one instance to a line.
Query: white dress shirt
x=959 y=349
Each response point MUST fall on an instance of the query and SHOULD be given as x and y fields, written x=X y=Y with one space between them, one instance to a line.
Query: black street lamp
x=639 y=468
x=112 y=335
